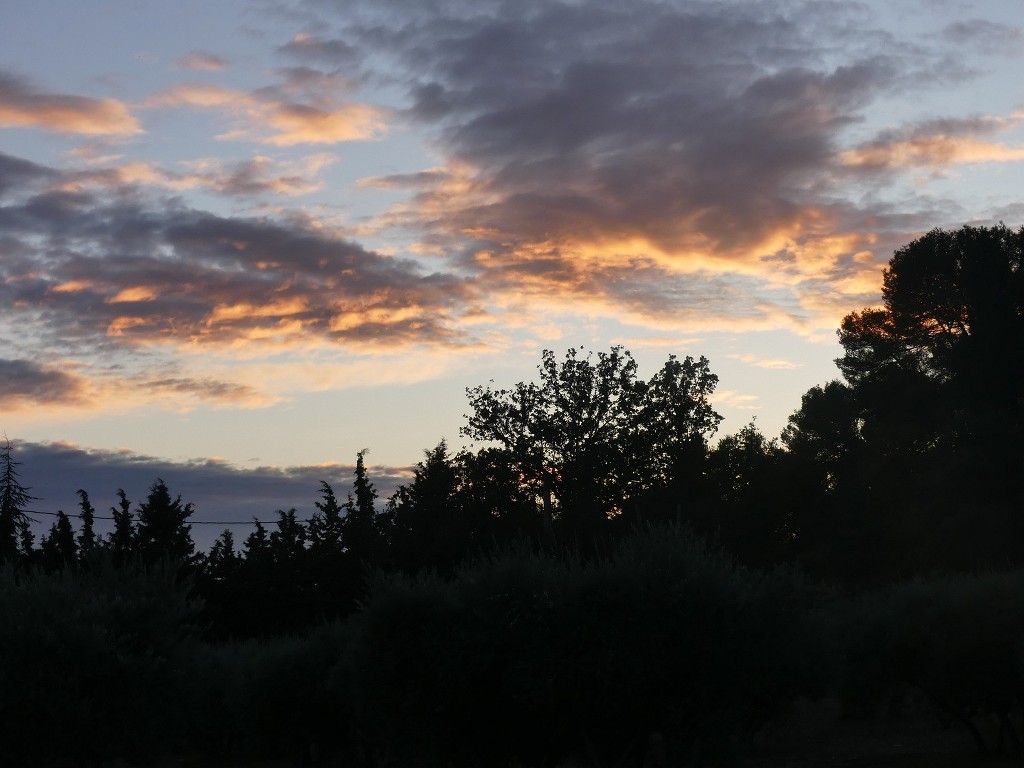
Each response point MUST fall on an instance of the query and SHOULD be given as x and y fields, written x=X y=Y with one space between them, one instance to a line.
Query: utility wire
x=190 y=522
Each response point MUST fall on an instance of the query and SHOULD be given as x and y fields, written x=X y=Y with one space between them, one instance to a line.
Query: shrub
x=539 y=658
x=957 y=639
x=92 y=665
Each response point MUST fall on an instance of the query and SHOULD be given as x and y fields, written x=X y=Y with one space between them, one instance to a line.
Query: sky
x=241 y=241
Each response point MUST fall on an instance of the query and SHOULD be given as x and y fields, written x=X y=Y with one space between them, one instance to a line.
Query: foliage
x=162 y=532
x=533 y=656
x=957 y=639
x=104 y=654
x=591 y=436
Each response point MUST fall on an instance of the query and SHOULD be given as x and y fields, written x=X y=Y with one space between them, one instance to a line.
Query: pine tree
x=360 y=536
x=15 y=534
x=59 y=549
x=162 y=531
x=223 y=559
x=87 y=538
x=257 y=544
x=326 y=526
x=288 y=541
x=124 y=539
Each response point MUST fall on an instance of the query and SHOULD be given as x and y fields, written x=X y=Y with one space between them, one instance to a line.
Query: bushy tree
x=916 y=459
x=59 y=549
x=162 y=531
x=591 y=437
x=327 y=524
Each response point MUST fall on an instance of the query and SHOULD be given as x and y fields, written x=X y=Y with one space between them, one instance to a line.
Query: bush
x=270 y=698
x=538 y=658
x=957 y=639
x=93 y=665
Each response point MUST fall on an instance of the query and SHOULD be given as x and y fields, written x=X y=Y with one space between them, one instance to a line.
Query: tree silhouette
x=15 y=535
x=257 y=544
x=327 y=524
x=59 y=549
x=87 y=538
x=287 y=543
x=590 y=437
x=124 y=540
x=223 y=559
x=430 y=528
x=361 y=535
x=920 y=452
x=162 y=532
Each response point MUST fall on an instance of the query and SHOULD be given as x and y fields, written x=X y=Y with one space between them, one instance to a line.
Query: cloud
x=26 y=383
x=22 y=106
x=306 y=47
x=220 y=491
x=203 y=389
x=203 y=61
x=273 y=116
x=984 y=36
x=102 y=267
x=258 y=176
x=18 y=174
x=677 y=159
x=731 y=399
x=762 y=362
x=938 y=144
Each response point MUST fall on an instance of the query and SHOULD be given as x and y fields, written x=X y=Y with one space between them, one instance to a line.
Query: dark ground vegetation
x=595 y=584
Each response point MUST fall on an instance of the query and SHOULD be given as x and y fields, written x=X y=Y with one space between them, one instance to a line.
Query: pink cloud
x=21 y=106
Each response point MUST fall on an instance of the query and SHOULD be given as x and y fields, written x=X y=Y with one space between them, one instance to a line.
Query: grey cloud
x=204 y=388
x=667 y=120
x=693 y=126
x=16 y=173
x=314 y=48
x=984 y=36
x=25 y=381
x=114 y=269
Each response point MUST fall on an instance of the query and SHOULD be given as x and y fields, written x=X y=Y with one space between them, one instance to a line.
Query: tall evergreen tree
x=429 y=528
x=59 y=548
x=223 y=558
x=15 y=534
x=162 y=530
x=288 y=542
x=360 y=535
x=257 y=545
x=326 y=525
x=124 y=539
x=87 y=538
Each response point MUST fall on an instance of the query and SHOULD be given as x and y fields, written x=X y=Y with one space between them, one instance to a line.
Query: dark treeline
x=594 y=579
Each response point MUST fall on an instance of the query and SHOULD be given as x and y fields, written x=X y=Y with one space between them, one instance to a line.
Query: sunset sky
x=242 y=240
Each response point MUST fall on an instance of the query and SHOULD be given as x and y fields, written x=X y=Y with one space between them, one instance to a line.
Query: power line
x=254 y=521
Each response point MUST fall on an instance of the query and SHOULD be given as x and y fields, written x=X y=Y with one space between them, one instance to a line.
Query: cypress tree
x=87 y=538
x=123 y=539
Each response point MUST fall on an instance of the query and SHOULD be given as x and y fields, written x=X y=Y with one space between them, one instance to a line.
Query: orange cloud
x=23 y=107
x=278 y=122
x=299 y=124
x=201 y=61
x=761 y=362
x=256 y=176
x=931 y=151
x=135 y=293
